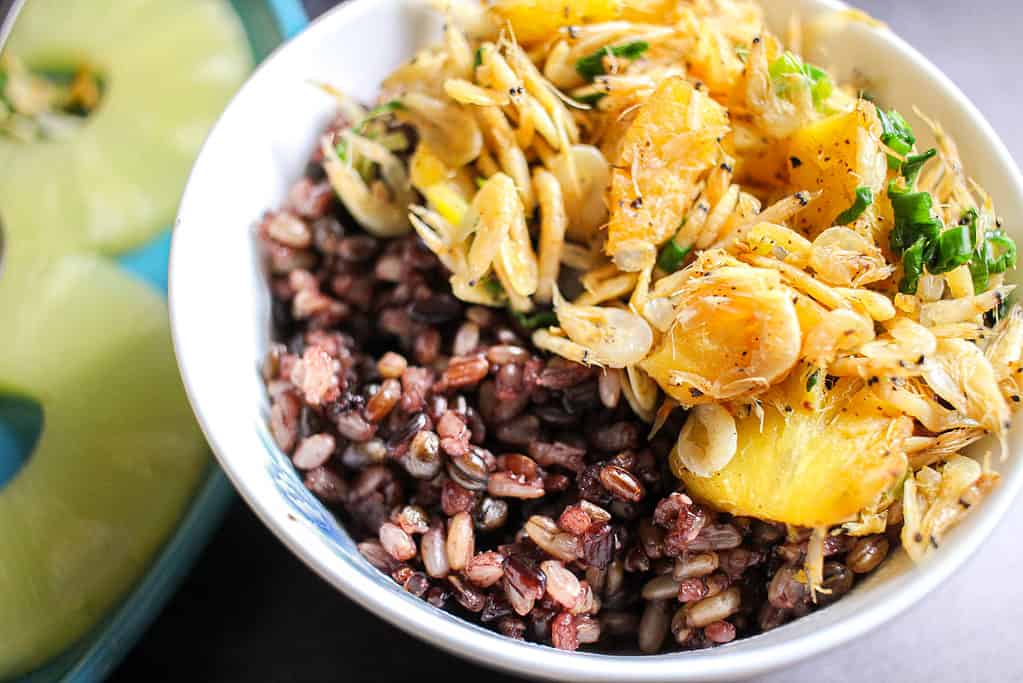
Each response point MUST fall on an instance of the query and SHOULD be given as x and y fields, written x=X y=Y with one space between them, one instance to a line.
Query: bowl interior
x=220 y=315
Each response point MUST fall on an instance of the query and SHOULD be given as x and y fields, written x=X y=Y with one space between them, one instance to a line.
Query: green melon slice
x=117 y=460
x=169 y=67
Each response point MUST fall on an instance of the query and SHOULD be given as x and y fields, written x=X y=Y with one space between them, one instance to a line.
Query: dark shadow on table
x=251 y=611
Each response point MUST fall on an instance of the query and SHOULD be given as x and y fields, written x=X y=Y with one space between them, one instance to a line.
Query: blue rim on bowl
x=352 y=46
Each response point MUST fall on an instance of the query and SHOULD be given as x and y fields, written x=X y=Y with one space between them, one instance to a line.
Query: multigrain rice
x=490 y=479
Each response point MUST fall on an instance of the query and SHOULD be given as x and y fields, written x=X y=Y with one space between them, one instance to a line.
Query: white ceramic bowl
x=219 y=309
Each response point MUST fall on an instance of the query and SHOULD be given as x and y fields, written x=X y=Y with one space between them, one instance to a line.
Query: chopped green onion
x=914 y=163
x=812 y=380
x=789 y=67
x=782 y=68
x=994 y=252
x=375 y=112
x=821 y=86
x=493 y=285
x=478 y=58
x=896 y=135
x=591 y=66
x=864 y=198
x=672 y=256
x=913 y=218
x=480 y=181
x=912 y=267
x=1007 y=258
x=535 y=321
x=979 y=272
x=590 y=98
x=953 y=248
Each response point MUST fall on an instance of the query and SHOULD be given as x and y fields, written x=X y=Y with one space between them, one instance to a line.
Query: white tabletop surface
x=969 y=629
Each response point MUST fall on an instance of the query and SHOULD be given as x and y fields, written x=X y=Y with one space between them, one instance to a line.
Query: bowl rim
x=485 y=647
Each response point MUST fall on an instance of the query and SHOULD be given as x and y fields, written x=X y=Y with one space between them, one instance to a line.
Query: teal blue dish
x=267 y=24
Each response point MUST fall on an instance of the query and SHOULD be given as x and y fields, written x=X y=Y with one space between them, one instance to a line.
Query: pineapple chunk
x=536 y=20
x=821 y=457
x=735 y=332
x=837 y=155
x=672 y=142
x=444 y=189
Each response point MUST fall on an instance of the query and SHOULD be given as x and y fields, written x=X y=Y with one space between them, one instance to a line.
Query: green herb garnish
x=896 y=135
x=1006 y=259
x=913 y=218
x=864 y=198
x=812 y=380
x=953 y=248
x=535 y=321
x=980 y=274
x=478 y=58
x=912 y=267
x=942 y=250
x=914 y=163
x=994 y=253
x=672 y=256
x=591 y=66
x=378 y=111
x=493 y=285
x=789 y=68
x=915 y=235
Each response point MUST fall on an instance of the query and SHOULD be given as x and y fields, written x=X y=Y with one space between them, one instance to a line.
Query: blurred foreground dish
x=102 y=110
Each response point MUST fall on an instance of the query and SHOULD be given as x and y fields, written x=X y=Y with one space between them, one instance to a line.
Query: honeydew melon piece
x=117 y=459
x=168 y=68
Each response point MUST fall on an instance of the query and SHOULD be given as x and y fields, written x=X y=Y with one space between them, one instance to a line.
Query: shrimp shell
x=932 y=449
x=553 y=221
x=839 y=330
x=614 y=337
x=465 y=92
x=499 y=209
x=566 y=348
x=449 y=130
x=380 y=215
x=643 y=388
x=777 y=116
x=961 y=374
x=778 y=241
x=841 y=256
x=963 y=309
x=606 y=290
x=459 y=51
x=708 y=441
x=500 y=138
x=1006 y=347
x=584 y=175
x=516 y=261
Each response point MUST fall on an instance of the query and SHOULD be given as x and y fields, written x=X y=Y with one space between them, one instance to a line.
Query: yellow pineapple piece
x=735 y=333
x=822 y=455
x=444 y=189
x=536 y=20
x=673 y=141
x=836 y=154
